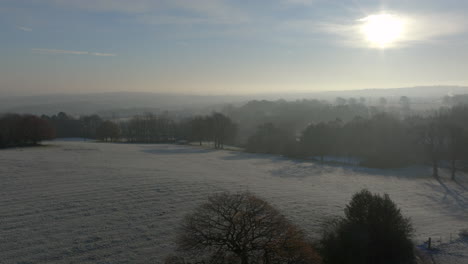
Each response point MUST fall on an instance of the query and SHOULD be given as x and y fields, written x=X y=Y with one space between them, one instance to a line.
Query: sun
x=382 y=30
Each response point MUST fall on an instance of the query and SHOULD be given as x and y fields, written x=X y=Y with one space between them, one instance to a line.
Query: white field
x=86 y=202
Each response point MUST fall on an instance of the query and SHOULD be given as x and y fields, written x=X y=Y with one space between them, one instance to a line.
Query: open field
x=86 y=202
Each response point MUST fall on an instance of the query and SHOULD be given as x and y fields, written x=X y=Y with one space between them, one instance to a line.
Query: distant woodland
x=24 y=130
x=380 y=135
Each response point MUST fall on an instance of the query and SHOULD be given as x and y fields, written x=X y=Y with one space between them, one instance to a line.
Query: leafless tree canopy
x=241 y=228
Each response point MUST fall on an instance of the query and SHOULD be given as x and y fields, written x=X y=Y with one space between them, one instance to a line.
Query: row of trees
x=382 y=140
x=379 y=141
x=217 y=128
x=242 y=228
x=376 y=139
x=445 y=137
x=141 y=128
x=108 y=131
x=67 y=126
x=24 y=130
x=296 y=115
x=148 y=128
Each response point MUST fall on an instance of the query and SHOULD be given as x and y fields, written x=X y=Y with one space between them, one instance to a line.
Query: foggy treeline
x=375 y=136
x=379 y=135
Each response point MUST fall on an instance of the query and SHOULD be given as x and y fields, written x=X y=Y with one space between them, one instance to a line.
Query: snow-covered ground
x=454 y=251
x=87 y=202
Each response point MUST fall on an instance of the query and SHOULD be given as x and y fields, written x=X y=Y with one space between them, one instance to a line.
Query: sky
x=230 y=47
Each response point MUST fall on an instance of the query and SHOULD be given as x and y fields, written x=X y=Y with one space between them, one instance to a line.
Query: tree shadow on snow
x=457 y=181
x=175 y=150
x=239 y=155
x=455 y=200
x=302 y=168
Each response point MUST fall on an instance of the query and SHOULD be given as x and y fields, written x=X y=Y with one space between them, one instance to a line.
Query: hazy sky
x=229 y=47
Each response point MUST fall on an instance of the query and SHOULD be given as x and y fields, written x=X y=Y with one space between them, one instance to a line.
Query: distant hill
x=133 y=102
x=110 y=102
x=418 y=91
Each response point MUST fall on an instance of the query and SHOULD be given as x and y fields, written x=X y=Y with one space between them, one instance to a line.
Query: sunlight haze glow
x=382 y=30
x=230 y=46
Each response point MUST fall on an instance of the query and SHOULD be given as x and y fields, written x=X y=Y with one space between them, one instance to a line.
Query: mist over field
x=122 y=174
x=131 y=103
x=233 y=132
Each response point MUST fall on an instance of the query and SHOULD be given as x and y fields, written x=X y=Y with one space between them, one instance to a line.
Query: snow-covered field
x=86 y=202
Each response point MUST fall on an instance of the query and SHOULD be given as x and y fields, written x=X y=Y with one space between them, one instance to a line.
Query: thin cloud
x=299 y=2
x=59 y=52
x=418 y=29
x=186 y=20
x=103 y=54
x=70 y=52
x=120 y=6
x=162 y=11
x=27 y=29
x=422 y=28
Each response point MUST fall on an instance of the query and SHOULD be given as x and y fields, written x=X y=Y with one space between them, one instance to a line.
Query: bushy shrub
x=373 y=231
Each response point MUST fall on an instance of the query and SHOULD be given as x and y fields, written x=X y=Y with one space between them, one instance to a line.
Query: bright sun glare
x=382 y=30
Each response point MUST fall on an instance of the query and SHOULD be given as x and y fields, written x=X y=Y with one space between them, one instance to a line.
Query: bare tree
x=455 y=146
x=457 y=136
x=199 y=131
x=223 y=129
x=233 y=228
x=432 y=139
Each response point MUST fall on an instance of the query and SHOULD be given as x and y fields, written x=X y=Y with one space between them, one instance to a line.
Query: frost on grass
x=87 y=202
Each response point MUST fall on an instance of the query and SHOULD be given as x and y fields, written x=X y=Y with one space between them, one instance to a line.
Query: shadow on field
x=446 y=191
x=302 y=168
x=457 y=181
x=174 y=150
x=239 y=155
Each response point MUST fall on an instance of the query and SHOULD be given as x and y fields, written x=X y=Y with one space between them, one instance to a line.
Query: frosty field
x=86 y=202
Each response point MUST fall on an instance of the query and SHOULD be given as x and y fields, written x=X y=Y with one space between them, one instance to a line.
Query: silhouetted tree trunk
x=433 y=139
x=453 y=169
x=455 y=143
x=435 y=167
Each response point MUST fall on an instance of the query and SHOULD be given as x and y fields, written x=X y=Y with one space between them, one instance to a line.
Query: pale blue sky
x=225 y=47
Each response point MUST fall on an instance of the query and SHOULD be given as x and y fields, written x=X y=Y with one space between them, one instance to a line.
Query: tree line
x=373 y=136
x=382 y=140
x=147 y=128
x=217 y=128
x=294 y=116
x=24 y=130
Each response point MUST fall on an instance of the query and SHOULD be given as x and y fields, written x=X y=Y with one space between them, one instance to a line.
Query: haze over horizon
x=230 y=47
